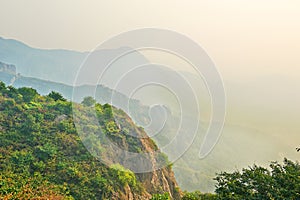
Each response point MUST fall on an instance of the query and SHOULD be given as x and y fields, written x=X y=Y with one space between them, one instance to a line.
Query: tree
x=28 y=93
x=88 y=101
x=107 y=110
x=56 y=96
x=2 y=86
x=280 y=182
x=11 y=92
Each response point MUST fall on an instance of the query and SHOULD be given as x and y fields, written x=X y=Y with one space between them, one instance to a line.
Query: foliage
x=124 y=176
x=56 y=96
x=42 y=156
x=280 y=182
x=197 y=195
x=112 y=127
x=16 y=186
x=164 y=196
x=28 y=94
x=88 y=101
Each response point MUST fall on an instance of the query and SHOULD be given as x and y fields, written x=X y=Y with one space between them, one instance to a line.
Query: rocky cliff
x=161 y=178
x=127 y=144
x=8 y=68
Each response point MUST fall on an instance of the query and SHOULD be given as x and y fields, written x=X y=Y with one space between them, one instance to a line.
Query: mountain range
x=241 y=143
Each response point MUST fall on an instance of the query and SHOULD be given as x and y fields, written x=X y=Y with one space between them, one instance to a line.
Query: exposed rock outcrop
x=8 y=68
x=159 y=180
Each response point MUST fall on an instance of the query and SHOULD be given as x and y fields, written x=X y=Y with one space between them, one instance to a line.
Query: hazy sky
x=242 y=37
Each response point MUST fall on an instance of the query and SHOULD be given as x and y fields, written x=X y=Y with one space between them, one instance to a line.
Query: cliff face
x=10 y=69
x=156 y=182
x=159 y=179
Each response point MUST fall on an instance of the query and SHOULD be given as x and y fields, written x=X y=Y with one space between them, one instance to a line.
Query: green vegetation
x=56 y=96
x=88 y=101
x=164 y=196
x=198 y=196
x=280 y=182
x=41 y=155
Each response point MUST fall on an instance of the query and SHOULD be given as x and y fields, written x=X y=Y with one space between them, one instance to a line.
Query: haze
x=254 y=44
x=242 y=37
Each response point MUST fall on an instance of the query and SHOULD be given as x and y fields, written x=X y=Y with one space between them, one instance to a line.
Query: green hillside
x=42 y=157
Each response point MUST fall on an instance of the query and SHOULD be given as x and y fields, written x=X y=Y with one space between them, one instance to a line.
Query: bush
x=280 y=182
x=164 y=196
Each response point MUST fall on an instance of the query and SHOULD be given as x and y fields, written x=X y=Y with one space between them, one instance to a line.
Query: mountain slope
x=43 y=157
x=102 y=94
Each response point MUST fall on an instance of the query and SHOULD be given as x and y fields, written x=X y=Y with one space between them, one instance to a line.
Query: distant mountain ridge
x=41 y=63
x=57 y=65
x=102 y=94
